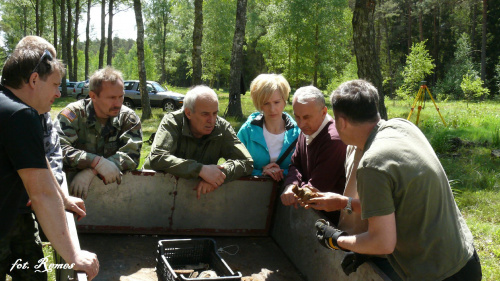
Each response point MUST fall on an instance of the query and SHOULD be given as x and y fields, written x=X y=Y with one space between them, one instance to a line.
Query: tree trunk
x=316 y=56
x=435 y=38
x=42 y=21
x=389 y=59
x=109 y=57
x=103 y=35
x=87 y=40
x=409 y=27
x=63 y=46
x=54 y=22
x=163 y=77
x=69 y=62
x=235 y=91
x=420 y=23
x=75 y=40
x=364 y=48
x=146 y=106
x=197 y=39
x=483 y=42
x=474 y=23
x=37 y=17
x=296 y=68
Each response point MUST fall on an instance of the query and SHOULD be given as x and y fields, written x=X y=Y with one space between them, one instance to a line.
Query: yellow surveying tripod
x=420 y=100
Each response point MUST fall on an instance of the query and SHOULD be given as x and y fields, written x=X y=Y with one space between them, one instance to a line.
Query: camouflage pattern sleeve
x=239 y=162
x=130 y=139
x=68 y=126
x=52 y=147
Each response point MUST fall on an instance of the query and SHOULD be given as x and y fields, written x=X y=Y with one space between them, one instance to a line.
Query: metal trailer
x=252 y=229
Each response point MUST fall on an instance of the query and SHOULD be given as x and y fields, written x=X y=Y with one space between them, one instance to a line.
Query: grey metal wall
x=157 y=203
x=293 y=230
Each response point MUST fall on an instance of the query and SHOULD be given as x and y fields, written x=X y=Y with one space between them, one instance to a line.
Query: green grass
x=473 y=172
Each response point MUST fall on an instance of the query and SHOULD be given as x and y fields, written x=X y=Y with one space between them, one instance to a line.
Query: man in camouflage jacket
x=100 y=136
x=52 y=146
x=190 y=142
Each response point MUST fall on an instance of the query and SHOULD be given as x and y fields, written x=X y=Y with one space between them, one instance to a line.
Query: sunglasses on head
x=46 y=54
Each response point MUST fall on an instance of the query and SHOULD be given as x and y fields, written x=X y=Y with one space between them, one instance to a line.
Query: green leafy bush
x=472 y=87
x=419 y=64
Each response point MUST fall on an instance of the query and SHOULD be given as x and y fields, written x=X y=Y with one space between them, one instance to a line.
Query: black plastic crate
x=175 y=253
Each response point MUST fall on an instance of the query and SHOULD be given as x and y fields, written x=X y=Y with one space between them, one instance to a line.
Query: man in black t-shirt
x=30 y=79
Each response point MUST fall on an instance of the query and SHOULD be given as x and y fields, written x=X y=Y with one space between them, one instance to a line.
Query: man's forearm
x=380 y=239
x=49 y=207
x=77 y=158
x=125 y=161
x=235 y=169
x=184 y=168
x=56 y=183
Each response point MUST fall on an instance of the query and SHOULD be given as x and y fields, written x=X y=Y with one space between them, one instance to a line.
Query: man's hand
x=79 y=187
x=352 y=261
x=327 y=235
x=204 y=187
x=327 y=201
x=274 y=171
x=109 y=171
x=288 y=198
x=213 y=174
x=87 y=262
x=76 y=206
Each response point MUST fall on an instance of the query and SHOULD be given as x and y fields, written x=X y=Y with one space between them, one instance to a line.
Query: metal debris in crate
x=191 y=259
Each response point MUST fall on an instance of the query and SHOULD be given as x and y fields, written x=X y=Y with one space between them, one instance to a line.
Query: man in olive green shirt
x=189 y=143
x=404 y=194
x=100 y=136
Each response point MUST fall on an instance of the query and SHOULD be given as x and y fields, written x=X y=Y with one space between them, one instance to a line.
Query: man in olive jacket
x=190 y=141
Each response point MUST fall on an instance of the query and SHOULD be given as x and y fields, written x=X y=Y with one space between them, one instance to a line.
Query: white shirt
x=310 y=138
x=274 y=143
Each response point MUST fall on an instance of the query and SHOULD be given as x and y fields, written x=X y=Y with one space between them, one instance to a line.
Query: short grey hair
x=107 y=74
x=309 y=93
x=356 y=100
x=193 y=94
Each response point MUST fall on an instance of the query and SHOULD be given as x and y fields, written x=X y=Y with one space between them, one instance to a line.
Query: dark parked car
x=158 y=96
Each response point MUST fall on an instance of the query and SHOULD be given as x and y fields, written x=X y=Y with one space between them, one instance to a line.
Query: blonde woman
x=270 y=134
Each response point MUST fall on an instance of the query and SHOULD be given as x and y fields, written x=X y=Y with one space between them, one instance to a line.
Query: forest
x=452 y=44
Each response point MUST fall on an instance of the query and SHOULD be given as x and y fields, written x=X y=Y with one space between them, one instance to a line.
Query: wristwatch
x=348 y=207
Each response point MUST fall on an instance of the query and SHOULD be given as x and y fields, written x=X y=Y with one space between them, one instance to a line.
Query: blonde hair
x=264 y=85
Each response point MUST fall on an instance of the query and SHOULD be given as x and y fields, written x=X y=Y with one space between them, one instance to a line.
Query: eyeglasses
x=46 y=54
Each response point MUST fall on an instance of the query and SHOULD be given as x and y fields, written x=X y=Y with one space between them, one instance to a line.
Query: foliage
x=419 y=64
x=472 y=86
x=317 y=45
x=127 y=63
x=350 y=72
x=307 y=41
x=163 y=36
x=218 y=30
x=17 y=20
x=461 y=65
